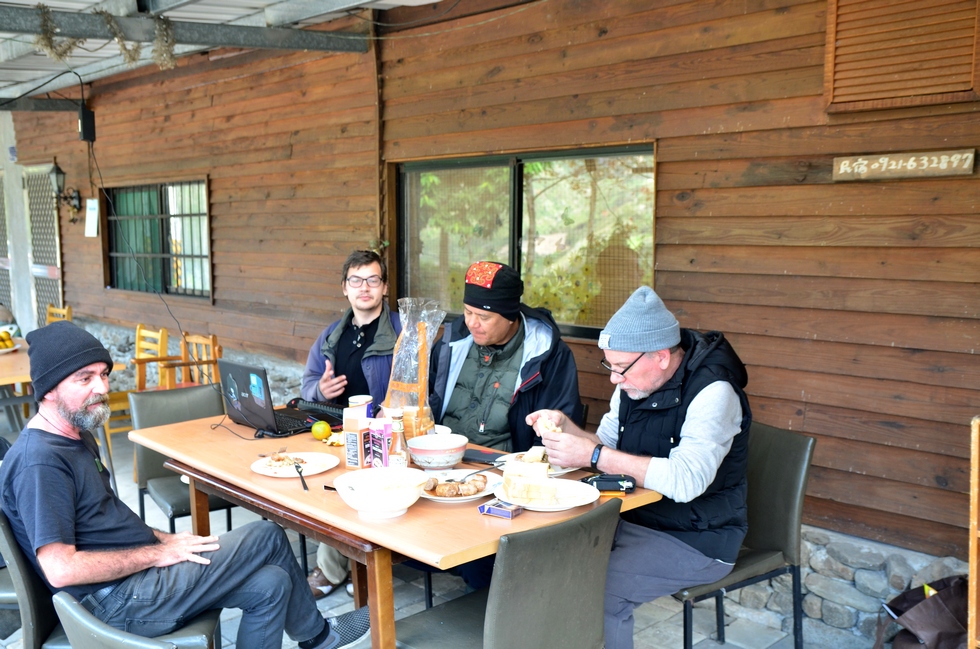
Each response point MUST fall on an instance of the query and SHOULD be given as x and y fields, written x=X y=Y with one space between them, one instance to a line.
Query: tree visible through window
x=159 y=239
x=578 y=228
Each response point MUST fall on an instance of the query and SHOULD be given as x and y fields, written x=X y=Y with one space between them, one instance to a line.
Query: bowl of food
x=384 y=492
x=437 y=451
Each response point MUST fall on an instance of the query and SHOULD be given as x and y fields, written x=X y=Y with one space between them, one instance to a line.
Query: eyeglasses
x=355 y=282
x=608 y=367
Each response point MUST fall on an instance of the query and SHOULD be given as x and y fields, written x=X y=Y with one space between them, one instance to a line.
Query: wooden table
x=440 y=534
x=15 y=367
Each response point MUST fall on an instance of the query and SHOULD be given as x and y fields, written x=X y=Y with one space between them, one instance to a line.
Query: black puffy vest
x=716 y=521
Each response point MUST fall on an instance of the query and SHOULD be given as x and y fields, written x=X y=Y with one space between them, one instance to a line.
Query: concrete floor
x=659 y=624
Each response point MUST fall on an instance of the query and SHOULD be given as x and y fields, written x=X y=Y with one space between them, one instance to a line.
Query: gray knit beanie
x=643 y=324
x=59 y=350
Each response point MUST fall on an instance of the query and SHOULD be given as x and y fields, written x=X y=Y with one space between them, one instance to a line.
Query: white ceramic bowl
x=437 y=451
x=383 y=492
x=442 y=430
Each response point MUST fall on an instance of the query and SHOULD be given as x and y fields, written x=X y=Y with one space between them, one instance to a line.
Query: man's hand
x=567 y=444
x=331 y=386
x=185 y=546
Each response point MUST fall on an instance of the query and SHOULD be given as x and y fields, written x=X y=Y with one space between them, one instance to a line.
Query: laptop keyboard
x=286 y=423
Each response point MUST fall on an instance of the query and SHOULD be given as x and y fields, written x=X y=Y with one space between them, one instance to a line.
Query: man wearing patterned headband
x=500 y=361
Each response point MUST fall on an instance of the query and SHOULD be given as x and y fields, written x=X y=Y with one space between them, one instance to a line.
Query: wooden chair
x=151 y=347
x=198 y=362
x=778 y=471
x=547 y=591
x=54 y=314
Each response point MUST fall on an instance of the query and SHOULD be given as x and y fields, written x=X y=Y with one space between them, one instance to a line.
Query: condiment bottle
x=398 y=451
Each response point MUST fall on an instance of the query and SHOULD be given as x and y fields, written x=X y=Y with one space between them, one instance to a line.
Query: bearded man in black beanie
x=499 y=362
x=82 y=539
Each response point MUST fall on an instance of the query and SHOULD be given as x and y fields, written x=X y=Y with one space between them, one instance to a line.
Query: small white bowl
x=379 y=493
x=442 y=430
x=437 y=451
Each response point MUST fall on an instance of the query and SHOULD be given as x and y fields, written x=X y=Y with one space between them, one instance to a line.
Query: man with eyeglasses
x=678 y=421
x=352 y=357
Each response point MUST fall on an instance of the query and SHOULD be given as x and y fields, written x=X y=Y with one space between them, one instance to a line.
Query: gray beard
x=83 y=418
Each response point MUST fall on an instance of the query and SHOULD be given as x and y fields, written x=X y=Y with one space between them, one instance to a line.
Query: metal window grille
x=159 y=239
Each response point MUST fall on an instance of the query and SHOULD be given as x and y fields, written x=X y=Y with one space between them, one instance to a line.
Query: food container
x=380 y=493
x=437 y=451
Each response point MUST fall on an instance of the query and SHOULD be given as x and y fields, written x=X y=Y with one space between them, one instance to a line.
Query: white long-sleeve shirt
x=713 y=419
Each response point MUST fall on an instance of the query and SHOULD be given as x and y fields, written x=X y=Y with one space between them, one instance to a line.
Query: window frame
x=516 y=162
x=108 y=196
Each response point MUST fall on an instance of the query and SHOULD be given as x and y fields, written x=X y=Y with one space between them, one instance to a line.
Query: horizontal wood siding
x=289 y=145
x=855 y=306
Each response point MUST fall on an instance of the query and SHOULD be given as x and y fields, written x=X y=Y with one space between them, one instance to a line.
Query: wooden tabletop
x=440 y=534
x=15 y=366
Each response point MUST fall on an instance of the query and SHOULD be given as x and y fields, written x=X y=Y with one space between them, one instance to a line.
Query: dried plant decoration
x=163 y=44
x=131 y=55
x=45 y=41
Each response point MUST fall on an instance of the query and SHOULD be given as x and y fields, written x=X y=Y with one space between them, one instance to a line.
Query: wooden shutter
x=890 y=53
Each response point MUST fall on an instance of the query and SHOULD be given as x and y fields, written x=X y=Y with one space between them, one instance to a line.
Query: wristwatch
x=595 y=456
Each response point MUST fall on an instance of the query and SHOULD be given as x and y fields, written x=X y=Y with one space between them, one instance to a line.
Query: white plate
x=10 y=349
x=314 y=463
x=571 y=493
x=553 y=471
x=493 y=481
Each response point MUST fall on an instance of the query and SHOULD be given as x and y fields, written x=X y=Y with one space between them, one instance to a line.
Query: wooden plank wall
x=855 y=306
x=289 y=145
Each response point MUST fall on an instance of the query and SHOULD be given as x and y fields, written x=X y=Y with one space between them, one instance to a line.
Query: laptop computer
x=248 y=402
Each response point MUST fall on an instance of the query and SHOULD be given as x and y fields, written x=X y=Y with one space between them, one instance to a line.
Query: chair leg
x=142 y=494
x=228 y=519
x=303 y=561
x=688 y=624
x=173 y=525
x=427 y=582
x=720 y=617
x=797 y=608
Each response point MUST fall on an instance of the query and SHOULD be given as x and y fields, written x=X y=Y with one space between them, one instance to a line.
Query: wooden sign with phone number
x=904 y=165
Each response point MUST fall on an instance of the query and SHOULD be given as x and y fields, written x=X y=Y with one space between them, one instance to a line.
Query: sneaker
x=350 y=589
x=320 y=586
x=348 y=629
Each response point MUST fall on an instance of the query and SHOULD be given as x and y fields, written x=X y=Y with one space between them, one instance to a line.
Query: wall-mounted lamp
x=69 y=197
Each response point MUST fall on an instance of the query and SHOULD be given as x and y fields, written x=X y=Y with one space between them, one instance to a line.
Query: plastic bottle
x=398 y=451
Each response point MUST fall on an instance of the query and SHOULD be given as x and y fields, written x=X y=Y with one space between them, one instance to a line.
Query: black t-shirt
x=55 y=490
x=354 y=340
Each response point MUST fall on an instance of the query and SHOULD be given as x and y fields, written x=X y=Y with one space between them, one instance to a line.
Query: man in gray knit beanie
x=678 y=421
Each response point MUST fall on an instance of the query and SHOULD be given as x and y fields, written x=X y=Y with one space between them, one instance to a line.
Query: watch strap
x=595 y=456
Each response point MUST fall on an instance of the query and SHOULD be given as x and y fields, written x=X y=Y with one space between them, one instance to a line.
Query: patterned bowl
x=437 y=451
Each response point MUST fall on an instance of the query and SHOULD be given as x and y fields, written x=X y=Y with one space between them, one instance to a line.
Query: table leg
x=381 y=599
x=359 y=578
x=200 y=514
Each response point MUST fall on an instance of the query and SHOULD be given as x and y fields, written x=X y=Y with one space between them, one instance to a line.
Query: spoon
x=463 y=479
x=299 y=470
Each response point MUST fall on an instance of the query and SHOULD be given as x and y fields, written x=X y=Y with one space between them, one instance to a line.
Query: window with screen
x=579 y=228
x=159 y=239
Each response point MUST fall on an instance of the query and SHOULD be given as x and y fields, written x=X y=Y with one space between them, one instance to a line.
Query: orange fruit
x=321 y=430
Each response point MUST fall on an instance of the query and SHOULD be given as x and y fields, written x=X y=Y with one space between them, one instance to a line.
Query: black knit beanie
x=494 y=287
x=59 y=350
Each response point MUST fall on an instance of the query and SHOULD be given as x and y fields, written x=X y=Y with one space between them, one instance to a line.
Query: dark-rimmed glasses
x=374 y=281
x=605 y=364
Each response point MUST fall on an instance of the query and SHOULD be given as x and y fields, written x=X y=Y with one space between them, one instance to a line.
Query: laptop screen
x=248 y=400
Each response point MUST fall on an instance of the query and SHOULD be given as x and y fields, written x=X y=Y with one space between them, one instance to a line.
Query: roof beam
x=62 y=105
x=15 y=48
x=23 y=20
